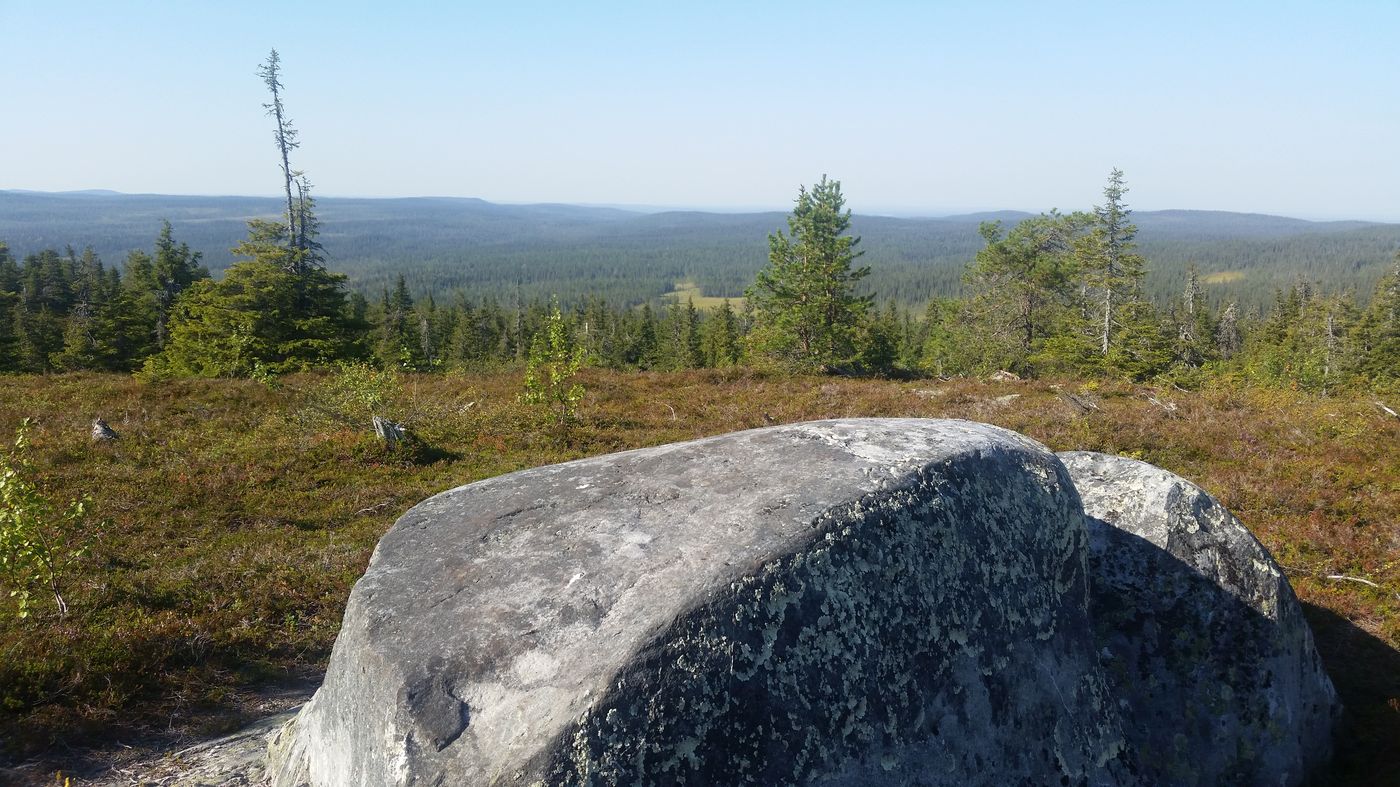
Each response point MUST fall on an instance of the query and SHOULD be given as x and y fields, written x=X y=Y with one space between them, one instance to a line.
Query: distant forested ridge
x=531 y=252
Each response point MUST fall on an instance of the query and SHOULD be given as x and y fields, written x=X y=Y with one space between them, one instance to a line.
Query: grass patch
x=1223 y=277
x=690 y=291
x=235 y=520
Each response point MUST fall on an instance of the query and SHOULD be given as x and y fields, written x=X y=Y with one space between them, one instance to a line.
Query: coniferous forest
x=1049 y=294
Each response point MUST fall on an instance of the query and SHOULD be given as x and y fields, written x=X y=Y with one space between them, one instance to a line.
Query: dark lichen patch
x=1201 y=636
x=902 y=644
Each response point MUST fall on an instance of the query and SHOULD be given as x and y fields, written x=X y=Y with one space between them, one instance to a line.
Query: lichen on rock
x=1200 y=634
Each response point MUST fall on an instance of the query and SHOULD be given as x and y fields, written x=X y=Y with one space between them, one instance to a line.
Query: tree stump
x=389 y=432
x=101 y=432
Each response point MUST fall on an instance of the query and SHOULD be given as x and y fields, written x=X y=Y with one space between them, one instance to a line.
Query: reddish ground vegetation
x=231 y=518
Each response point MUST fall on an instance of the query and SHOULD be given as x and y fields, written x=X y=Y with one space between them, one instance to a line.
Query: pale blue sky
x=1278 y=107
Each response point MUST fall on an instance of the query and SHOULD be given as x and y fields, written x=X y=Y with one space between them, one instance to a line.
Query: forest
x=1024 y=304
x=443 y=245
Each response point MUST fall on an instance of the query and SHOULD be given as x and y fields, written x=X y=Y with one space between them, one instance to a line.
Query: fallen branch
x=374 y=509
x=1303 y=572
x=1366 y=582
x=1169 y=407
x=1387 y=410
x=1084 y=405
x=390 y=433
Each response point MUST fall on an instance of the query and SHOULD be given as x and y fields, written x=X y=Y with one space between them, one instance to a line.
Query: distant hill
x=443 y=244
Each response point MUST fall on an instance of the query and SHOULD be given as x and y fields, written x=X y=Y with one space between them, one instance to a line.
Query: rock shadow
x=1366 y=671
x=1205 y=682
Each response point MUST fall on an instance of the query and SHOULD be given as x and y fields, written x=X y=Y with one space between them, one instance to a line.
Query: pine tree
x=806 y=309
x=1024 y=281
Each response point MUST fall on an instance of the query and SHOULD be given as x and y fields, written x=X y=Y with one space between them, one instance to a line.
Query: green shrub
x=37 y=543
x=550 y=371
x=356 y=393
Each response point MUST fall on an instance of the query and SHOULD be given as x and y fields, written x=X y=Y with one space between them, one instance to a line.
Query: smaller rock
x=1004 y=376
x=101 y=432
x=1200 y=636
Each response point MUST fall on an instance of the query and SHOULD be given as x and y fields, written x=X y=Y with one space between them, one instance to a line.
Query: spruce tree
x=270 y=72
x=173 y=269
x=1115 y=270
x=1228 y=336
x=720 y=337
x=9 y=307
x=400 y=344
x=1378 y=334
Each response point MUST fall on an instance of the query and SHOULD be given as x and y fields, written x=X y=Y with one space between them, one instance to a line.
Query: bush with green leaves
x=38 y=542
x=356 y=393
x=553 y=363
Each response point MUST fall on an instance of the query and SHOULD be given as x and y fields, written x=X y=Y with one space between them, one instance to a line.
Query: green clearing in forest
x=1223 y=277
x=689 y=290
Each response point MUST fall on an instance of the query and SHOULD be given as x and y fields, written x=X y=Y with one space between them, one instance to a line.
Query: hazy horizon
x=642 y=208
x=919 y=109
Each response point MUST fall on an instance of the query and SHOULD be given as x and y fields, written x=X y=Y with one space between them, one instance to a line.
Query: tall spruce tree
x=1115 y=270
x=400 y=339
x=720 y=340
x=9 y=308
x=1378 y=333
x=285 y=135
x=278 y=310
x=806 y=310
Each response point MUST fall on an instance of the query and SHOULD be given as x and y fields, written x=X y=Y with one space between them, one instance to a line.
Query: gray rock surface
x=865 y=601
x=1200 y=635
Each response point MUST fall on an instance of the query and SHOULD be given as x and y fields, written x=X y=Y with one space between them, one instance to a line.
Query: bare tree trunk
x=1331 y=347
x=271 y=72
x=1107 y=317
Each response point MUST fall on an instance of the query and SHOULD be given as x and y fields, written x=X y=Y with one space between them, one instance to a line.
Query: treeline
x=537 y=251
x=1032 y=312
x=70 y=312
x=1053 y=294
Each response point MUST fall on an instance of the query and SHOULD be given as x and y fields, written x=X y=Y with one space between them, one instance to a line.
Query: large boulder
x=1200 y=635
x=871 y=601
x=866 y=601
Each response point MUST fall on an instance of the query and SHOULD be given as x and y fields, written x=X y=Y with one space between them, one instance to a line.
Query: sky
x=918 y=108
